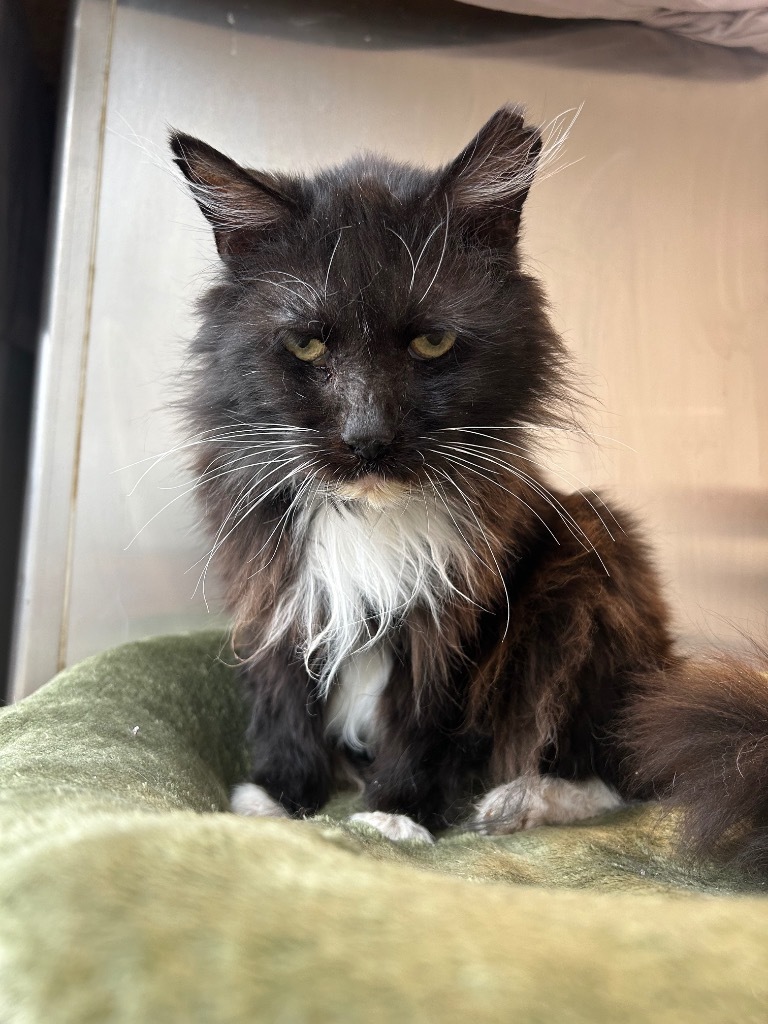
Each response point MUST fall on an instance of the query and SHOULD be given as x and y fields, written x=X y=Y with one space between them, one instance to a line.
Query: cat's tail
x=698 y=736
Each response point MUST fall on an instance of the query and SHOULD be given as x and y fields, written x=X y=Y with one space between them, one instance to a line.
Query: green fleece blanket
x=127 y=895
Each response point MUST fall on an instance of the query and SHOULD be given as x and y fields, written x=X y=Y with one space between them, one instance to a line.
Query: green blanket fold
x=126 y=896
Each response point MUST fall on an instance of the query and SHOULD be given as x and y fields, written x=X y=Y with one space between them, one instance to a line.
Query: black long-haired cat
x=372 y=374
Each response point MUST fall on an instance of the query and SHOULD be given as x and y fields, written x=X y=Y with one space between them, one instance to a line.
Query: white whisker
x=485 y=476
x=569 y=522
x=442 y=254
x=249 y=511
x=557 y=472
x=439 y=490
x=284 y=518
x=423 y=249
x=250 y=487
x=410 y=256
x=536 y=485
x=330 y=262
x=466 y=500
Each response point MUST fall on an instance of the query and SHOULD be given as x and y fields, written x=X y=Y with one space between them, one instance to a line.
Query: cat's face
x=374 y=305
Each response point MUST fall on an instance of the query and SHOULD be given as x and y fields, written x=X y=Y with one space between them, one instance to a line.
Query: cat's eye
x=309 y=350
x=430 y=346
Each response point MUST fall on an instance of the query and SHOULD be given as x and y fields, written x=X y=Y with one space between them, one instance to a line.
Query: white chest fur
x=362 y=569
x=352 y=710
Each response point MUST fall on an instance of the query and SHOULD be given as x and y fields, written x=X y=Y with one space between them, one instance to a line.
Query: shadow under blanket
x=127 y=895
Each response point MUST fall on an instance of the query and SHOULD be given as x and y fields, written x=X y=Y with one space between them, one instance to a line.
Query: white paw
x=254 y=802
x=542 y=800
x=510 y=808
x=394 y=826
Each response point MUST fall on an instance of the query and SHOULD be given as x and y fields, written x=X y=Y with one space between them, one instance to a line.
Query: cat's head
x=375 y=306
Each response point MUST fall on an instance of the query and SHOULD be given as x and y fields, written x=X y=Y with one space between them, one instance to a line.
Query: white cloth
x=724 y=22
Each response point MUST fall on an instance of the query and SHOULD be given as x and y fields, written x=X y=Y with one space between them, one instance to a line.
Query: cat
x=412 y=600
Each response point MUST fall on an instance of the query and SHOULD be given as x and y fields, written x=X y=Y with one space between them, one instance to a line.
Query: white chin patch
x=542 y=800
x=377 y=492
x=254 y=802
x=397 y=827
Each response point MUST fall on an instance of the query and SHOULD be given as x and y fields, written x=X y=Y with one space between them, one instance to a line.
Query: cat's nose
x=366 y=447
x=366 y=439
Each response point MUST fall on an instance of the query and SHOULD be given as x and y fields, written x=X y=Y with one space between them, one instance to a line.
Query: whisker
x=575 y=432
x=209 y=437
x=570 y=523
x=536 y=485
x=284 y=287
x=249 y=510
x=330 y=262
x=156 y=459
x=173 y=501
x=442 y=254
x=410 y=256
x=437 y=486
x=235 y=465
x=558 y=472
x=259 y=479
x=573 y=528
x=298 y=280
x=465 y=499
x=503 y=488
x=423 y=249
x=300 y=493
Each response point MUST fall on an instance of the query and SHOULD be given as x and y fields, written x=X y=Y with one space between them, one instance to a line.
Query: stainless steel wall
x=653 y=244
x=26 y=135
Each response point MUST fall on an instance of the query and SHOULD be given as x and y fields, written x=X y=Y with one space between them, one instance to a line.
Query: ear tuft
x=488 y=182
x=239 y=204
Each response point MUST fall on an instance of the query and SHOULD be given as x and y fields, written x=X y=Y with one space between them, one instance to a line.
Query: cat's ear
x=489 y=180
x=239 y=204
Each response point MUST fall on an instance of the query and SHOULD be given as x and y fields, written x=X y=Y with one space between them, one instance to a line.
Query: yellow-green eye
x=309 y=350
x=430 y=346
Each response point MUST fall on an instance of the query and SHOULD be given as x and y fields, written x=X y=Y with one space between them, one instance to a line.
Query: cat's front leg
x=290 y=761
x=534 y=800
x=398 y=791
x=413 y=784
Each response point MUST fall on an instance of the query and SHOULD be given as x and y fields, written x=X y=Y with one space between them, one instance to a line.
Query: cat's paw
x=509 y=808
x=543 y=800
x=252 y=801
x=394 y=826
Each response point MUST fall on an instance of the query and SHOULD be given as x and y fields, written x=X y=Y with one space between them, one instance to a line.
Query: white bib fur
x=362 y=569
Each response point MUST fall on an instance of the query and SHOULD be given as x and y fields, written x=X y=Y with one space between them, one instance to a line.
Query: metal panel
x=42 y=614
x=25 y=130
x=653 y=244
